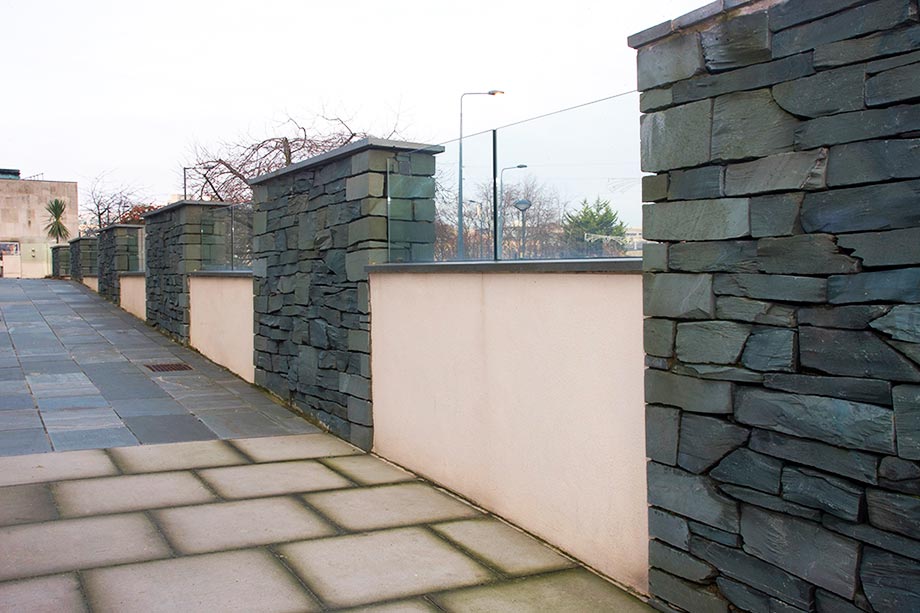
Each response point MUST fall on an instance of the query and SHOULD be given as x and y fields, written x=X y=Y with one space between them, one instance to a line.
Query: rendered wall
x=133 y=294
x=522 y=392
x=784 y=306
x=91 y=282
x=222 y=320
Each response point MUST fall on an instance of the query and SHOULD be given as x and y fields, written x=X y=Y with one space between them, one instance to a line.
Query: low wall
x=133 y=294
x=221 y=319
x=524 y=393
x=91 y=282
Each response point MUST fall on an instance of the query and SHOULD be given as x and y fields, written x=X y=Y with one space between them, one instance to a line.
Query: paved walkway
x=300 y=522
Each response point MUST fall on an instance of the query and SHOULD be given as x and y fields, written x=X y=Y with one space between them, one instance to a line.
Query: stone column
x=783 y=305
x=60 y=261
x=118 y=253
x=317 y=225
x=76 y=271
x=84 y=257
x=173 y=250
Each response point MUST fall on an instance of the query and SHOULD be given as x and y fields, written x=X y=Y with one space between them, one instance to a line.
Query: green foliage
x=56 y=228
x=597 y=220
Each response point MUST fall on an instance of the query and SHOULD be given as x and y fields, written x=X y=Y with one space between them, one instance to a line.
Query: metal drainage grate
x=168 y=367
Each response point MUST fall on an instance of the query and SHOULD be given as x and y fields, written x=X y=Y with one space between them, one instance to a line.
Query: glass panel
x=226 y=238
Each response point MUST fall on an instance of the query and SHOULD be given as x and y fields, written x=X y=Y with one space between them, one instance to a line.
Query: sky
x=125 y=90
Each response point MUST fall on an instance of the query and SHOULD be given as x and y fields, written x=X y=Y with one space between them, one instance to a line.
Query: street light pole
x=500 y=226
x=491 y=92
x=522 y=205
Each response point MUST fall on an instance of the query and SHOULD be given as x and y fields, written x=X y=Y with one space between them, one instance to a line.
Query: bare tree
x=106 y=203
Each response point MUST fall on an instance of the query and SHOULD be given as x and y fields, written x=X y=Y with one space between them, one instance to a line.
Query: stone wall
x=118 y=253
x=783 y=305
x=84 y=252
x=60 y=261
x=173 y=250
x=316 y=226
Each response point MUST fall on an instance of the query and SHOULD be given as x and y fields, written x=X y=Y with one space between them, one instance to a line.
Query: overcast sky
x=126 y=88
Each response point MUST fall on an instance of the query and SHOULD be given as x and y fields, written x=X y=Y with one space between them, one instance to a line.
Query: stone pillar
x=783 y=305
x=173 y=250
x=317 y=225
x=60 y=261
x=84 y=257
x=119 y=251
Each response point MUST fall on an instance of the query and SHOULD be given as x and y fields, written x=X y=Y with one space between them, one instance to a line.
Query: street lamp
x=491 y=92
x=501 y=202
x=478 y=214
x=522 y=205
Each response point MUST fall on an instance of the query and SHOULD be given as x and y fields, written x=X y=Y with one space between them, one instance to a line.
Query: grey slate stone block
x=659 y=337
x=662 y=428
x=770 y=350
x=743 y=79
x=890 y=582
x=714 y=256
x=750 y=469
x=686 y=595
x=776 y=215
x=907 y=416
x=870 y=47
x=697 y=220
x=854 y=464
x=820 y=491
x=786 y=15
x=763 y=576
x=855 y=317
x=679 y=563
x=838 y=422
x=771 y=287
x=737 y=42
x=747 y=598
x=854 y=354
x=876 y=207
x=706 y=440
x=896 y=469
x=677 y=137
x=669 y=528
x=767 y=501
x=750 y=125
x=696 y=183
x=672 y=59
x=895 y=286
x=754 y=311
x=894 y=248
x=695 y=395
x=794 y=545
x=892 y=86
x=873 y=17
x=681 y=296
x=861 y=125
x=875 y=537
x=729 y=539
x=800 y=170
x=872 y=391
x=719 y=342
x=830 y=603
x=658 y=363
x=874 y=161
x=911 y=350
x=718 y=372
x=901 y=323
x=692 y=496
x=655 y=187
x=655 y=257
x=826 y=93
x=805 y=254
x=655 y=99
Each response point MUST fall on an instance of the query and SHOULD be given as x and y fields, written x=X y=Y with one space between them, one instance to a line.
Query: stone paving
x=298 y=522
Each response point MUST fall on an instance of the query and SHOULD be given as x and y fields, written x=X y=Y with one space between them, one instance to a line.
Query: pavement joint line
x=493 y=570
x=282 y=561
x=148 y=513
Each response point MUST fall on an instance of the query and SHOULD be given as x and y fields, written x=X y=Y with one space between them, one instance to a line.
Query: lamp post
x=491 y=92
x=501 y=202
x=478 y=213
x=522 y=205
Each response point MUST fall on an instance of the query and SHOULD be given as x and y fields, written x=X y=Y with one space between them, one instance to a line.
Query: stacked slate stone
x=84 y=253
x=174 y=237
x=118 y=253
x=60 y=261
x=316 y=226
x=783 y=306
x=76 y=272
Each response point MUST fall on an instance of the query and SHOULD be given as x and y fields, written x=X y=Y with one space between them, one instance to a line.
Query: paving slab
x=20 y=419
x=272 y=479
x=234 y=424
x=367 y=469
x=154 y=429
x=23 y=504
x=274 y=449
x=68 y=440
x=15 y=442
x=129 y=493
x=178 y=456
x=53 y=594
x=135 y=407
x=37 y=468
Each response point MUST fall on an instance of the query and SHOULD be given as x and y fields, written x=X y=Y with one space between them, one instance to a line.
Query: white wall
x=221 y=328
x=524 y=393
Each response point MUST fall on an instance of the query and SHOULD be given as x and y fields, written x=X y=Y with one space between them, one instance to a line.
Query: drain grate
x=168 y=367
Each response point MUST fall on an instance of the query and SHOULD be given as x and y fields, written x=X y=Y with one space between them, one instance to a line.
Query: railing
x=226 y=238
x=568 y=185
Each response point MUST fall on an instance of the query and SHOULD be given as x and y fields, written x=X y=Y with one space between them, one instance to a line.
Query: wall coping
x=695 y=19
x=122 y=225
x=221 y=273
x=345 y=151
x=60 y=245
x=182 y=203
x=133 y=273
x=606 y=265
x=83 y=238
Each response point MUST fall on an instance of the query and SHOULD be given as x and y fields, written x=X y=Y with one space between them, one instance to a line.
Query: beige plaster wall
x=23 y=219
x=221 y=313
x=524 y=393
x=132 y=295
x=92 y=283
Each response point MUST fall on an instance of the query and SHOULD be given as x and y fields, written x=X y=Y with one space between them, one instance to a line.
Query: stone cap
x=608 y=265
x=122 y=225
x=348 y=150
x=133 y=273
x=61 y=245
x=83 y=238
x=221 y=273
x=693 y=19
x=181 y=203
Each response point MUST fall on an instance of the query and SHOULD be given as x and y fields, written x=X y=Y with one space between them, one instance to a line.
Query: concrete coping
x=123 y=225
x=83 y=238
x=694 y=19
x=61 y=245
x=182 y=203
x=348 y=150
x=133 y=273
x=221 y=273
x=607 y=265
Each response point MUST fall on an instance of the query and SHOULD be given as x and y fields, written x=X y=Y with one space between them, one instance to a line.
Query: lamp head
x=523 y=204
x=521 y=166
x=495 y=92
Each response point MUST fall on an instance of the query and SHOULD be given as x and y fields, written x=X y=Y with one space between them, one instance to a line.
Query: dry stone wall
x=317 y=225
x=84 y=252
x=118 y=253
x=783 y=306
x=60 y=261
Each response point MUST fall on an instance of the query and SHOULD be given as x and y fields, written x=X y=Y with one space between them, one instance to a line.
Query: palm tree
x=56 y=228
